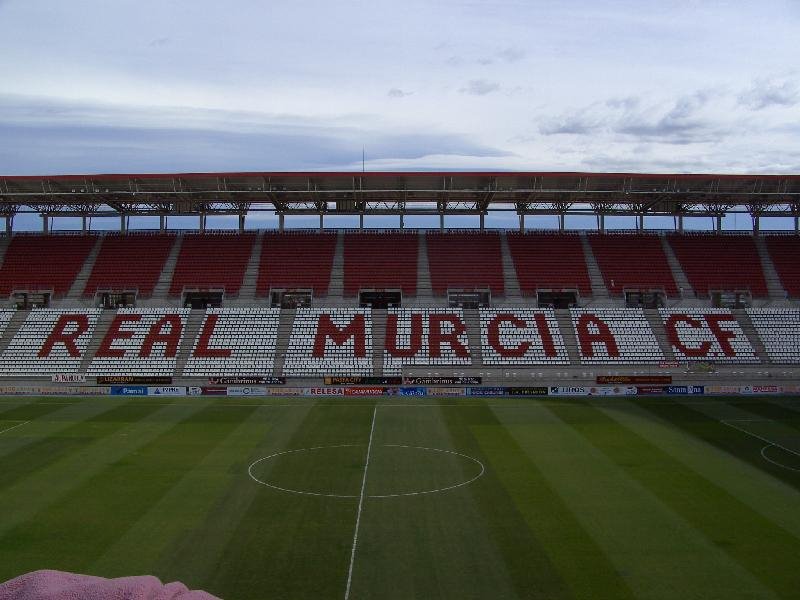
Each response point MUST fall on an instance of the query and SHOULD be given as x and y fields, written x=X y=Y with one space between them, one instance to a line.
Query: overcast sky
x=93 y=86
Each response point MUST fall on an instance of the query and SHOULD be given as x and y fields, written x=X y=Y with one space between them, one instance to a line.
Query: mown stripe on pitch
x=434 y=545
x=655 y=550
x=504 y=495
x=118 y=495
x=21 y=504
x=767 y=551
x=759 y=490
x=185 y=504
x=282 y=545
x=775 y=412
x=698 y=422
x=54 y=420
x=44 y=451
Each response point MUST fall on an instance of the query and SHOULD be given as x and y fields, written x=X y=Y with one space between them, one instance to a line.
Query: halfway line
x=360 y=507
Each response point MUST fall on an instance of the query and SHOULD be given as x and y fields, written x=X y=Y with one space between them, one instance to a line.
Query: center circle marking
x=326 y=495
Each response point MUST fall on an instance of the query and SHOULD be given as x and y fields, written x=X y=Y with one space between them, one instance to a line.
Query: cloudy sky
x=197 y=85
x=94 y=86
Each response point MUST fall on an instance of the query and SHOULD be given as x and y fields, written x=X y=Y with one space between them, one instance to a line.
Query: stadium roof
x=401 y=193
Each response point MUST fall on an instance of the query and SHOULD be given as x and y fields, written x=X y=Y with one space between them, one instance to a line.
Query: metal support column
x=640 y=223
x=202 y=223
x=321 y=222
x=361 y=221
x=756 y=224
x=45 y=224
x=241 y=222
x=797 y=224
x=601 y=223
x=719 y=224
x=122 y=224
x=680 y=223
x=522 y=223
x=561 y=222
x=280 y=222
x=10 y=225
x=482 y=223
x=402 y=221
x=83 y=224
x=162 y=223
x=441 y=221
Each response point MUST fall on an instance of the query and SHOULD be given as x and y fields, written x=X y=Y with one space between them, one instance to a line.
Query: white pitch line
x=360 y=507
x=763 y=439
x=15 y=426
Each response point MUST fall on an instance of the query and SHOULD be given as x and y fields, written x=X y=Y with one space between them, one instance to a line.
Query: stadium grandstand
x=513 y=306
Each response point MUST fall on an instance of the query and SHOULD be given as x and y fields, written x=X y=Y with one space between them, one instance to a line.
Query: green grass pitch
x=461 y=498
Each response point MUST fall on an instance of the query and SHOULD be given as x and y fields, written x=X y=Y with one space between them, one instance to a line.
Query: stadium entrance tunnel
x=202 y=300
x=380 y=300
x=558 y=300
x=394 y=471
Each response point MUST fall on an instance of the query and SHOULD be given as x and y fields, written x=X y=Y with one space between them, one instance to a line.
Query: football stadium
x=437 y=412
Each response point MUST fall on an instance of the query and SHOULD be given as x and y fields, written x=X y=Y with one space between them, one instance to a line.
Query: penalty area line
x=14 y=426
x=360 y=507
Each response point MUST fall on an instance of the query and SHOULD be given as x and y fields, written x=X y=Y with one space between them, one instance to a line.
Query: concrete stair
x=657 y=325
x=161 y=290
x=564 y=319
x=473 y=322
x=336 y=285
x=191 y=330
x=774 y=286
x=247 y=292
x=12 y=328
x=76 y=290
x=510 y=280
x=599 y=290
x=750 y=331
x=100 y=330
x=379 y=317
x=284 y=333
x=678 y=274
x=424 y=288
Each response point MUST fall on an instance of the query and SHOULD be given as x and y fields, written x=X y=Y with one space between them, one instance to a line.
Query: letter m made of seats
x=327 y=329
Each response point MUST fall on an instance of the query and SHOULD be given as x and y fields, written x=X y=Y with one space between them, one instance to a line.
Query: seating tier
x=425 y=337
x=129 y=262
x=380 y=261
x=235 y=341
x=720 y=262
x=465 y=261
x=620 y=336
x=296 y=261
x=44 y=262
x=212 y=261
x=633 y=262
x=549 y=261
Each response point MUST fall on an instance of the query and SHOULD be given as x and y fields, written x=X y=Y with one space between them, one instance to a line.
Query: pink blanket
x=57 y=585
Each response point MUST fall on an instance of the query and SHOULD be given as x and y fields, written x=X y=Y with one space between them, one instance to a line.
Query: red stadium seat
x=549 y=261
x=719 y=262
x=131 y=261
x=784 y=250
x=632 y=261
x=465 y=261
x=300 y=260
x=380 y=261
x=44 y=262
x=212 y=260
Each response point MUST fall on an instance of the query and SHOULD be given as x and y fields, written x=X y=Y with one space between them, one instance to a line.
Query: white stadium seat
x=446 y=353
x=235 y=341
x=353 y=356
